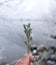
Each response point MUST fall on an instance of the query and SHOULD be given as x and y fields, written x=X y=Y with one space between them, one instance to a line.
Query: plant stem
x=28 y=32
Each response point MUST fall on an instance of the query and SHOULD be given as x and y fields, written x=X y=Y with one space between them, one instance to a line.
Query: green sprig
x=28 y=31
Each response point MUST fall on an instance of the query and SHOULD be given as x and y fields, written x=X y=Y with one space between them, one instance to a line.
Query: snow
x=15 y=13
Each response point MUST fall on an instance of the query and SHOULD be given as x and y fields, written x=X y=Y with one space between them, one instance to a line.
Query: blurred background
x=13 y=14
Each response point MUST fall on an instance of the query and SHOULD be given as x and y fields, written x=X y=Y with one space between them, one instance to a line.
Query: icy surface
x=13 y=14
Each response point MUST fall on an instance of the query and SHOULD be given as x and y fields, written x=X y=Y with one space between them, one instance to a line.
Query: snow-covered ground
x=15 y=13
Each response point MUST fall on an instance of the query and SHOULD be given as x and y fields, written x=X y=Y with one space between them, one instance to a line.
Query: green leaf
x=24 y=26
x=30 y=38
x=28 y=25
x=26 y=43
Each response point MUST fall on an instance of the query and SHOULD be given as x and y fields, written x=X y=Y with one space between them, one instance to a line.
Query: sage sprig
x=28 y=31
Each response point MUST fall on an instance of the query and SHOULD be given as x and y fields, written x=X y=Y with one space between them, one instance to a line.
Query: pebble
x=45 y=54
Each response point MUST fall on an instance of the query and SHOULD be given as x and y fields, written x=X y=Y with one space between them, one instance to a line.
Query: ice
x=15 y=13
